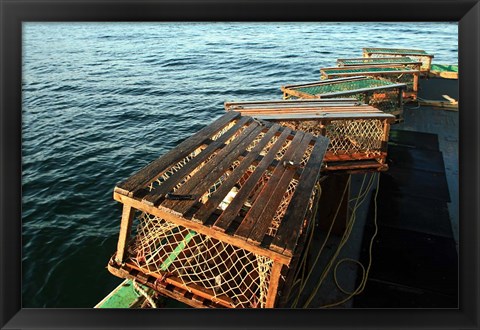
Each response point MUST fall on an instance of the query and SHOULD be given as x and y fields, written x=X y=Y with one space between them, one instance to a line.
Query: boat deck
x=415 y=252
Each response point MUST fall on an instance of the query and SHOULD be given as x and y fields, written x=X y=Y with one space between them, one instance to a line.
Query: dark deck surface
x=415 y=251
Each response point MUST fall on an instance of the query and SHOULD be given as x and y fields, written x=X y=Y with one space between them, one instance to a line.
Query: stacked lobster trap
x=415 y=54
x=358 y=133
x=381 y=94
x=389 y=72
x=220 y=219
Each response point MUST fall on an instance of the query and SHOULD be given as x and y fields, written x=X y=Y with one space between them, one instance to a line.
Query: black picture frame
x=466 y=13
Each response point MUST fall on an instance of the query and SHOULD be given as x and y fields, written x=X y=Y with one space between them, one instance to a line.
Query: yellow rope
x=343 y=241
x=365 y=273
x=304 y=281
x=360 y=199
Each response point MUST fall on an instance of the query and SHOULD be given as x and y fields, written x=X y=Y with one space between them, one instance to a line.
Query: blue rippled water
x=101 y=100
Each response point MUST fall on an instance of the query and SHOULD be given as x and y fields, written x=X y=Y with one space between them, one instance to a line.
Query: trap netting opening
x=346 y=136
x=228 y=273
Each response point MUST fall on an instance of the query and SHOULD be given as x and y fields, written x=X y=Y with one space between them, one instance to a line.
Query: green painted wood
x=123 y=296
x=172 y=256
x=444 y=68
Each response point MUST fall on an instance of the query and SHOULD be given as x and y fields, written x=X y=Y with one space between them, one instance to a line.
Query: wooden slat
x=289 y=230
x=125 y=228
x=229 y=214
x=348 y=108
x=299 y=103
x=346 y=156
x=157 y=194
x=274 y=199
x=333 y=116
x=153 y=170
x=266 y=191
x=273 y=285
x=351 y=167
x=195 y=289
x=217 y=197
x=351 y=108
x=213 y=169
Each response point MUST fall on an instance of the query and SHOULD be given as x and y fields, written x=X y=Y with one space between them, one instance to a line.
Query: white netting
x=355 y=136
x=346 y=136
x=228 y=273
x=176 y=167
x=223 y=130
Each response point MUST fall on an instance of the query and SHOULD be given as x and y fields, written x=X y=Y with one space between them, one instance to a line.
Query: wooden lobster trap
x=223 y=216
x=358 y=133
x=381 y=94
x=390 y=72
x=406 y=62
x=416 y=54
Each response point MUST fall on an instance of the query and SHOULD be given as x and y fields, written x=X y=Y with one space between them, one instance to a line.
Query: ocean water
x=102 y=100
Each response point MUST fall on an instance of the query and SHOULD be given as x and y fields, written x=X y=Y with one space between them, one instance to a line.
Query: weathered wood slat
x=217 y=197
x=365 y=165
x=265 y=219
x=348 y=108
x=195 y=289
x=265 y=193
x=213 y=169
x=125 y=228
x=339 y=156
x=289 y=230
x=273 y=287
x=153 y=170
x=159 y=192
x=229 y=214
x=345 y=116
